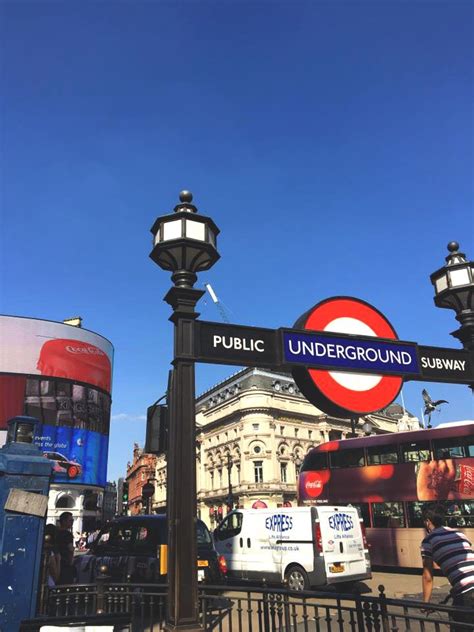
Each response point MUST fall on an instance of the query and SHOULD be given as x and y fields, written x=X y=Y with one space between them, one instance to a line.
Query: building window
x=258 y=471
x=238 y=474
x=255 y=427
x=283 y=468
x=310 y=434
x=296 y=432
x=220 y=478
x=212 y=479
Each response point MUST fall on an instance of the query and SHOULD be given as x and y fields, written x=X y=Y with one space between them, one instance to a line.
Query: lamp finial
x=186 y=197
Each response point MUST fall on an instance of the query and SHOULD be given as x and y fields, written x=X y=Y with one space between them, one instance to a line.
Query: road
x=406 y=586
x=247 y=614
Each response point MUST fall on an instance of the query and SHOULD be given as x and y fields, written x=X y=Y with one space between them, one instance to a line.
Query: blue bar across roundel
x=334 y=352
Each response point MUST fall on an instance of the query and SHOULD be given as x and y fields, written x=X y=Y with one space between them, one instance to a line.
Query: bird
x=430 y=405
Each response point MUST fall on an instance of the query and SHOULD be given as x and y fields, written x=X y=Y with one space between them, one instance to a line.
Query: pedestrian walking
x=65 y=546
x=453 y=553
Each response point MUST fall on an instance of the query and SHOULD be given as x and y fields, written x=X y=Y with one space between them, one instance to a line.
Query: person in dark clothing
x=453 y=553
x=65 y=547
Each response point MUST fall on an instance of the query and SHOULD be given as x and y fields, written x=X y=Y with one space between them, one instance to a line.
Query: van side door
x=229 y=542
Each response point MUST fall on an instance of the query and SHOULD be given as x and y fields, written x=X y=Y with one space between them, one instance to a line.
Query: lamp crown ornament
x=455 y=256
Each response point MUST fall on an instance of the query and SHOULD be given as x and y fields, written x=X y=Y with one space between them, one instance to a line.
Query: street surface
x=325 y=617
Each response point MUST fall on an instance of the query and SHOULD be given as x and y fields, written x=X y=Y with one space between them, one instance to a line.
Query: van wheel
x=296 y=578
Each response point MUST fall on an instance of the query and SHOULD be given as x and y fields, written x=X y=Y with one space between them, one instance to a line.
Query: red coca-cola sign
x=313 y=484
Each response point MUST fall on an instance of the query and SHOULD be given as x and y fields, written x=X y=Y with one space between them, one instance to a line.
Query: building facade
x=141 y=470
x=253 y=431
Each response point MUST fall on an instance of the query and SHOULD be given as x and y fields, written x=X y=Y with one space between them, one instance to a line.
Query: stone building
x=253 y=431
x=140 y=471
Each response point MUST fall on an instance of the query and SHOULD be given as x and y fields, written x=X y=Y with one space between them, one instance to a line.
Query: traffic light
x=124 y=497
x=156 y=441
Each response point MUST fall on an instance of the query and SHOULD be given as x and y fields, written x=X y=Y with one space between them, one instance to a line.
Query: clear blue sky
x=331 y=142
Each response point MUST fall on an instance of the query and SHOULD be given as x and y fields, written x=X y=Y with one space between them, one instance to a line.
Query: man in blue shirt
x=452 y=551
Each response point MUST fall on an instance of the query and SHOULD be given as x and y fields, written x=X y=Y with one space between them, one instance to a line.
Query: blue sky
x=331 y=142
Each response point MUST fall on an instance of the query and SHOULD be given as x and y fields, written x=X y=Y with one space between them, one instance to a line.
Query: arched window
x=65 y=502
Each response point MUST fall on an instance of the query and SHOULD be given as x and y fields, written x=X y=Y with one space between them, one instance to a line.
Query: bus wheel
x=296 y=578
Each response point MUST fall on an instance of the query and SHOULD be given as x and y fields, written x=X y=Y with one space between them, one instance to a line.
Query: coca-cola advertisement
x=61 y=375
x=433 y=480
x=40 y=347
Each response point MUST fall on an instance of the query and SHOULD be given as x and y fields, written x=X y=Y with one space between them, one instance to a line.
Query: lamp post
x=454 y=289
x=354 y=422
x=183 y=243
x=230 y=498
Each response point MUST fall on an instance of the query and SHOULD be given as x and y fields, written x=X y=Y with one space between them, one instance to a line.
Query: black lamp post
x=454 y=289
x=184 y=243
x=230 y=497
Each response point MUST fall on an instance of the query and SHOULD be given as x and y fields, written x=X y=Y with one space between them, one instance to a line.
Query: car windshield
x=140 y=537
x=202 y=534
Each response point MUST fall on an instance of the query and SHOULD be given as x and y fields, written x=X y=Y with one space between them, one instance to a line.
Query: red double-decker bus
x=389 y=478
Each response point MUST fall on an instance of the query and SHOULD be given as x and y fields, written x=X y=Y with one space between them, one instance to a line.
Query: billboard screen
x=62 y=376
x=74 y=424
x=42 y=347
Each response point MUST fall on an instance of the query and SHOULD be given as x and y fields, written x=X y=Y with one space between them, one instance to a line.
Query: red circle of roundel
x=357 y=401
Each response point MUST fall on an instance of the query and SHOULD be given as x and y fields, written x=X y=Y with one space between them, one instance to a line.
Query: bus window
x=347 y=458
x=389 y=515
x=459 y=513
x=378 y=455
x=414 y=513
x=412 y=452
x=451 y=448
x=315 y=461
x=364 y=513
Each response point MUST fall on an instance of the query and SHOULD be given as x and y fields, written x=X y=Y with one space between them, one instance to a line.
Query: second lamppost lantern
x=454 y=289
x=184 y=243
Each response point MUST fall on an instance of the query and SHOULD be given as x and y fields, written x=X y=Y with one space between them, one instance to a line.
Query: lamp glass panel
x=441 y=283
x=195 y=230
x=211 y=237
x=157 y=237
x=459 y=277
x=172 y=230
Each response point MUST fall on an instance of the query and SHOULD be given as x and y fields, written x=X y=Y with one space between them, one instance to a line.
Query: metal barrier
x=141 y=608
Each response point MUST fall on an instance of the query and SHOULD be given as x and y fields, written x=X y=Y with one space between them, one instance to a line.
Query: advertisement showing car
x=78 y=455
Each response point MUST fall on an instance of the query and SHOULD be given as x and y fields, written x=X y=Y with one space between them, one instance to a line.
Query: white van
x=302 y=546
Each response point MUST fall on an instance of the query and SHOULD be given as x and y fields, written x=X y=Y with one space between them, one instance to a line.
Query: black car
x=134 y=549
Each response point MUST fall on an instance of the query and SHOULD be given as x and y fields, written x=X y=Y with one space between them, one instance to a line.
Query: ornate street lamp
x=230 y=497
x=184 y=243
x=454 y=289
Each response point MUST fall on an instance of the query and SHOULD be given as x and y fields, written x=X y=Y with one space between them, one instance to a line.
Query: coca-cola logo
x=313 y=484
x=84 y=350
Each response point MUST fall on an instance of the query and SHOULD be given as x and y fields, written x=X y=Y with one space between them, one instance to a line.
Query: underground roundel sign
x=341 y=393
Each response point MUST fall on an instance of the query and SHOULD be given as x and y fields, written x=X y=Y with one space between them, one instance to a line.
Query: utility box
x=24 y=485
